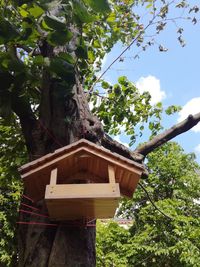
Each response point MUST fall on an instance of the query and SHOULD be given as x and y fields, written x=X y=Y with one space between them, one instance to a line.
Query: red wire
x=28 y=198
x=33 y=213
x=30 y=207
x=38 y=223
x=49 y=133
x=52 y=224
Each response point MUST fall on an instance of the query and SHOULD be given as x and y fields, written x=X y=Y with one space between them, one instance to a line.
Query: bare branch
x=169 y=134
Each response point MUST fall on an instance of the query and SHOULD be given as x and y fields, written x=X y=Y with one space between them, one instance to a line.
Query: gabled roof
x=80 y=160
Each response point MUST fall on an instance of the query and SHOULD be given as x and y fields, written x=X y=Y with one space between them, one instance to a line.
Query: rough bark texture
x=169 y=134
x=56 y=246
x=63 y=119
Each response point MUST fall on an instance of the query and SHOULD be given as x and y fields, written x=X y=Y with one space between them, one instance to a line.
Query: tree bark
x=168 y=134
x=46 y=245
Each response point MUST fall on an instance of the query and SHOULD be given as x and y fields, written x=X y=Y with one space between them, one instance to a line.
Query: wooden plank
x=134 y=179
x=53 y=177
x=54 y=161
x=125 y=164
x=73 y=191
x=66 y=209
x=111 y=174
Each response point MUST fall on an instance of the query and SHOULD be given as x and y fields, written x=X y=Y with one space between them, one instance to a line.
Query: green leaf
x=105 y=85
x=59 y=37
x=36 y=11
x=111 y=18
x=23 y=12
x=55 y=24
x=67 y=57
x=63 y=69
x=91 y=56
x=81 y=12
x=149 y=5
x=117 y=89
x=172 y=109
x=7 y=31
x=96 y=44
x=122 y=80
x=82 y=52
x=9 y=63
x=101 y=6
x=38 y=60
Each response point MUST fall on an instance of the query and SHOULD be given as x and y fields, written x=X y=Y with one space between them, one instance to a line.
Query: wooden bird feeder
x=81 y=180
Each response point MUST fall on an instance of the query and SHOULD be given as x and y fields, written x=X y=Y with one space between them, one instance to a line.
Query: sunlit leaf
x=101 y=6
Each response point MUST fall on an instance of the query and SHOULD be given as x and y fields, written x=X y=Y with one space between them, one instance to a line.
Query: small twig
x=151 y=22
x=154 y=205
x=33 y=51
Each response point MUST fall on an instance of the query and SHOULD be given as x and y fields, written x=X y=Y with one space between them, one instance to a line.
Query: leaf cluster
x=153 y=239
x=12 y=155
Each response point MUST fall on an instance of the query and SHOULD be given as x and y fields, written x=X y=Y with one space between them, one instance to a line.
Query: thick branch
x=169 y=134
x=120 y=149
x=29 y=124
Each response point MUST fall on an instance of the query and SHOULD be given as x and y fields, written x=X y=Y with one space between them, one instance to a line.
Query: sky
x=172 y=77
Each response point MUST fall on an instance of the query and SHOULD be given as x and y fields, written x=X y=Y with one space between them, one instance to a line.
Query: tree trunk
x=62 y=121
x=59 y=246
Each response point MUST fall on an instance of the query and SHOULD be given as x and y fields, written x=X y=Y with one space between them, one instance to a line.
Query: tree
x=47 y=57
x=167 y=232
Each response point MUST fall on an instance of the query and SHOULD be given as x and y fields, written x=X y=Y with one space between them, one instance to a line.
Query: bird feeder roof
x=81 y=160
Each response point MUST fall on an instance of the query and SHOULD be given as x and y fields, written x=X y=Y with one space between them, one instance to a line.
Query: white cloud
x=152 y=85
x=117 y=138
x=191 y=107
x=197 y=149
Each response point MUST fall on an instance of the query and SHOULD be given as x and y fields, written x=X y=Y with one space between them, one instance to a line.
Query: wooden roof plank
x=71 y=149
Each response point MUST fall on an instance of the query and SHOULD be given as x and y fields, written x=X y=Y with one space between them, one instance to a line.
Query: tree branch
x=118 y=148
x=31 y=51
x=169 y=134
x=29 y=124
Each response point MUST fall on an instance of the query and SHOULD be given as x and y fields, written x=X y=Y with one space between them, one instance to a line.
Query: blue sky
x=172 y=77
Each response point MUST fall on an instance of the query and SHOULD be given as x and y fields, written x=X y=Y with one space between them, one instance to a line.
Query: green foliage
x=60 y=39
x=101 y=6
x=12 y=155
x=155 y=240
x=124 y=107
x=83 y=30
x=112 y=245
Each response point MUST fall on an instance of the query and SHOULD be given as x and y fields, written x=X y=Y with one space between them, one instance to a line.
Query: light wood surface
x=77 y=201
x=53 y=178
x=81 y=161
x=111 y=174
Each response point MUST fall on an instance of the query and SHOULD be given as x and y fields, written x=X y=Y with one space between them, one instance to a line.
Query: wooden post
x=111 y=174
x=53 y=177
